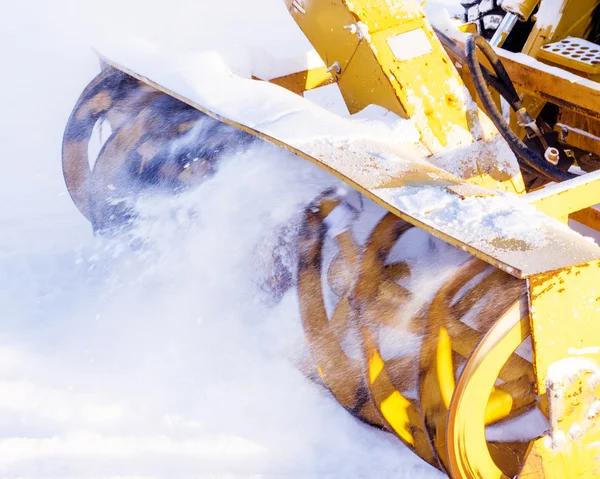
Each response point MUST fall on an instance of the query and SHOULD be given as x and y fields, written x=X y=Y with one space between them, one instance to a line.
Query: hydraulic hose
x=529 y=159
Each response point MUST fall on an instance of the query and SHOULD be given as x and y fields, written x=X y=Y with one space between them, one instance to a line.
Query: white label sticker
x=409 y=45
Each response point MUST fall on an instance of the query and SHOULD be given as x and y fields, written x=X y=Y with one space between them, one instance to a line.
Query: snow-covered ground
x=163 y=361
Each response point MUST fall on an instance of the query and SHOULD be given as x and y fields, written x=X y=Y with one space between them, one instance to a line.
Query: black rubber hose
x=506 y=88
x=495 y=83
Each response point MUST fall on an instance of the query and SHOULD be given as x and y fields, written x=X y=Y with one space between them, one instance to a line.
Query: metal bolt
x=552 y=155
x=335 y=66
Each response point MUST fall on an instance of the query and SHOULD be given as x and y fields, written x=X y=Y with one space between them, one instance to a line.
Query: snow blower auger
x=446 y=358
x=156 y=141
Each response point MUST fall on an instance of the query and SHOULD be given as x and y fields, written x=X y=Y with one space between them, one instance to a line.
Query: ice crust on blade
x=569 y=369
x=207 y=76
x=477 y=218
x=462 y=161
x=278 y=113
x=365 y=154
x=482 y=142
x=561 y=376
x=352 y=146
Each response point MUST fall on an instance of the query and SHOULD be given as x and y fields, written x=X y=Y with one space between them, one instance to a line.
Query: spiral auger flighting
x=156 y=142
x=454 y=349
x=377 y=390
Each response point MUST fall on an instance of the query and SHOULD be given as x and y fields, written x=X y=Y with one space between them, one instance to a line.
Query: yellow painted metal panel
x=323 y=24
x=428 y=85
x=565 y=316
x=382 y=14
x=589 y=217
x=559 y=201
x=305 y=80
x=364 y=83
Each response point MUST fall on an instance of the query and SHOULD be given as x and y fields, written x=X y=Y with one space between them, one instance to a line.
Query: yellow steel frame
x=589 y=217
x=382 y=53
x=562 y=200
x=306 y=80
x=356 y=38
x=521 y=8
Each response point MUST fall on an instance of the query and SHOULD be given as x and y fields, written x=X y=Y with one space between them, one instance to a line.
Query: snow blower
x=493 y=150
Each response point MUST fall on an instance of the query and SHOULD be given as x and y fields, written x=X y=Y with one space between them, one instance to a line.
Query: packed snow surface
x=156 y=355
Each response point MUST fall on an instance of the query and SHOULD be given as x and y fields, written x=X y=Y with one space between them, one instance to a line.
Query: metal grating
x=574 y=53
